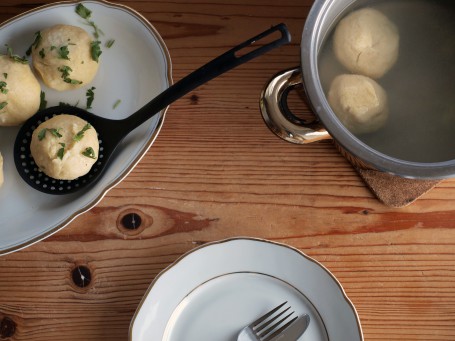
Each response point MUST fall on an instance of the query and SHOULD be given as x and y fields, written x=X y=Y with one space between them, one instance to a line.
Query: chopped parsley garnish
x=89 y=152
x=43 y=102
x=35 y=43
x=95 y=50
x=4 y=91
x=16 y=58
x=53 y=131
x=42 y=134
x=65 y=70
x=3 y=88
x=90 y=97
x=61 y=151
x=80 y=134
x=5 y=75
x=63 y=52
x=109 y=43
x=42 y=53
x=83 y=11
x=116 y=104
x=66 y=104
x=97 y=31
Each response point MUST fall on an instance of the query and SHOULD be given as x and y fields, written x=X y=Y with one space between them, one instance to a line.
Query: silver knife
x=295 y=330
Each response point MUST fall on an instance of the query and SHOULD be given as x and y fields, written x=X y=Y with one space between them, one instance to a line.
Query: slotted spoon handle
x=216 y=67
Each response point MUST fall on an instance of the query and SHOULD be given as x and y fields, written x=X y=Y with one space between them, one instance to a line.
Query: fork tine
x=266 y=324
x=279 y=330
x=263 y=333
x=263 y=328
x=264 y=317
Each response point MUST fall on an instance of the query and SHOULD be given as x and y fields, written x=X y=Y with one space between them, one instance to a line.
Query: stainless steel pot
x=289 y=127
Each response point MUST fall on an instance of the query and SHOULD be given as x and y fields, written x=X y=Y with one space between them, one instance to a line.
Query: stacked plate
x=212 y=292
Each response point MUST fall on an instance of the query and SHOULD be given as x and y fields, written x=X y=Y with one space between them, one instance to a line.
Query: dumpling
x=19 y=92
x=65 y=57
x=359 y=102
x=366 y=42
x=65 y=147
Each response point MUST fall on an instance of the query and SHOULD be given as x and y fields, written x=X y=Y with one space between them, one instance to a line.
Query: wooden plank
x=216 y=171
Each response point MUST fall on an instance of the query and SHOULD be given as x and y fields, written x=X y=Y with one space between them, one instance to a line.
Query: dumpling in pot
x=19 y=92
x=64 y=57
x=359 y=102
x=65 y=147
x=366 y=42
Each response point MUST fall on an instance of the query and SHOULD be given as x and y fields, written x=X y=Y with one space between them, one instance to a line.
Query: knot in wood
x=7 y=328
x=131 y=221
x=81 y=276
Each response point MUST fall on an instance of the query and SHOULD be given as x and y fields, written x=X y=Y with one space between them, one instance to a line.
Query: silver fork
x=267 y=326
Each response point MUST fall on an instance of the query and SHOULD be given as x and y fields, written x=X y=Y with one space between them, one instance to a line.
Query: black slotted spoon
x=112 y=132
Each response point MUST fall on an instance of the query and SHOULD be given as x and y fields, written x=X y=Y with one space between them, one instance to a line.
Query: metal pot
x=293 y=129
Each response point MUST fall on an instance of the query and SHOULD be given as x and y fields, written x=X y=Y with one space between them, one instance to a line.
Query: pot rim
x=310 y=46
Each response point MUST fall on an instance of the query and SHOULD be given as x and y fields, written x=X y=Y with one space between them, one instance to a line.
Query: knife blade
x=295 y=330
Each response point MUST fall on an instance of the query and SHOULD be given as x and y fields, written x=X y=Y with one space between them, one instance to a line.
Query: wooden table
x=216 y=171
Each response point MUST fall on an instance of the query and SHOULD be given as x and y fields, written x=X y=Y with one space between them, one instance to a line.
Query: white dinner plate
x=213 y=291
x=134 y=70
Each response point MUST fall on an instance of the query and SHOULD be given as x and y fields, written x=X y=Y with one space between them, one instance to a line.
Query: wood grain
x=216 y=171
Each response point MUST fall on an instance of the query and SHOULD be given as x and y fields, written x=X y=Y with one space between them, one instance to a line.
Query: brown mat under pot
x=395 y=191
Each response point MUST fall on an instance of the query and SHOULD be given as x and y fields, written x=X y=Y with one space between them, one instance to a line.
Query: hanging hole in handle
x=279 y=118
x=268 y=39
x=295 y=106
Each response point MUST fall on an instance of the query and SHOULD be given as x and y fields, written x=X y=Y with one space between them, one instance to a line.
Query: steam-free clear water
x=420 y=86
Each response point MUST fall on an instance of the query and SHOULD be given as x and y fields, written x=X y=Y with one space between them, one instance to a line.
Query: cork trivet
x=394 y=191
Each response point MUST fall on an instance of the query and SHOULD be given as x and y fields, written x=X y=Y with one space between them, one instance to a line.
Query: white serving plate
x=213 y=291
x=134 y=70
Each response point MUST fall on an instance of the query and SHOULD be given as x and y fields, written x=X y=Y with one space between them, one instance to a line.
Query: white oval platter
x=133 y=70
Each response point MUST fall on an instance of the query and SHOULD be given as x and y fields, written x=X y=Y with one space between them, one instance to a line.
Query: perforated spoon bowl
x=112 y=132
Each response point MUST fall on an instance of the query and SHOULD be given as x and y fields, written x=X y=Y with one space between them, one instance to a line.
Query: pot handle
x=280 y=119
